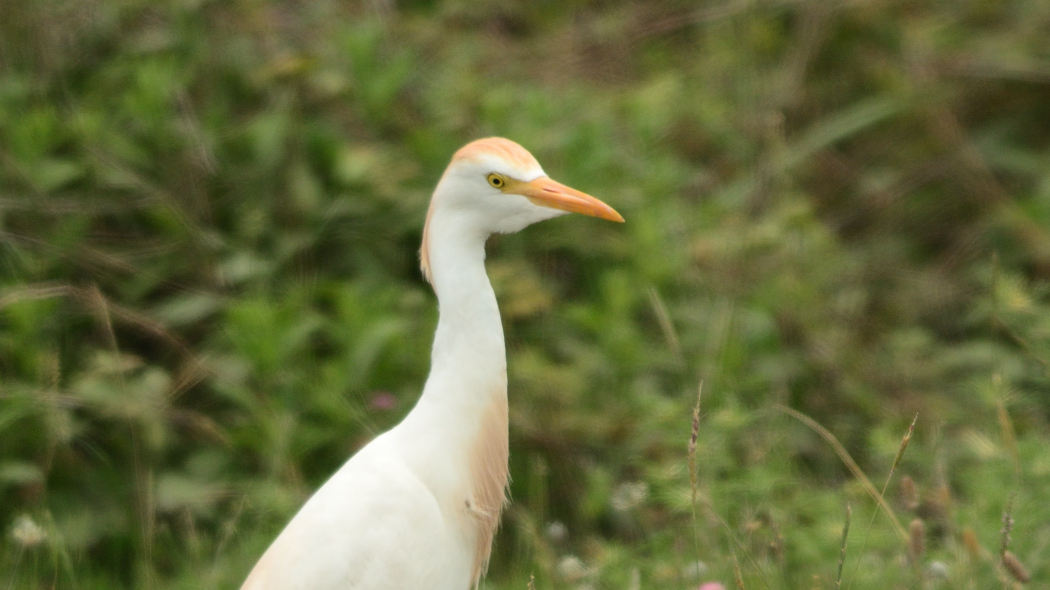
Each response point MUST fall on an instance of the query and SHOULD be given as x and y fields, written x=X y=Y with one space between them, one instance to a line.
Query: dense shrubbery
x=209 y=297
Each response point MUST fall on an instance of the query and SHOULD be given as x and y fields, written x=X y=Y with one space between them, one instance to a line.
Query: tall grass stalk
x=882 y=494
x=842 y=547
x=850 y=464
x=694 y=434
x=692 y=470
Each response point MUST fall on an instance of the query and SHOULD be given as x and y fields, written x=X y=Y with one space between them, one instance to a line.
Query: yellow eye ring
x=496 y=181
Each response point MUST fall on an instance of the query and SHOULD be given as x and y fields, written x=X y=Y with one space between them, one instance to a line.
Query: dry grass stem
x=1008 y=525
x=738 y=576
x=229 y=528
x=692 y=467
x=663 y=317
x=694 y=434
x=850 y=464
x=110 y=313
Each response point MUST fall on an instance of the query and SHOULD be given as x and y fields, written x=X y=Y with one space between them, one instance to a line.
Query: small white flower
x=937 y=569
x=26 y=532
x=572 y=568
x=557 y=531
x=629 y=495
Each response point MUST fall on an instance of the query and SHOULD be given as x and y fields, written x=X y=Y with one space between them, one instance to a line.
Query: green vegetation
x=209 y=294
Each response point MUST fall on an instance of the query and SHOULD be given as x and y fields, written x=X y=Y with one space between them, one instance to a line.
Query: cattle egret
x=418 y=506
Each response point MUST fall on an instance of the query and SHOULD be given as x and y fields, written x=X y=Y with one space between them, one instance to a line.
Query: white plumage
x=418 y=506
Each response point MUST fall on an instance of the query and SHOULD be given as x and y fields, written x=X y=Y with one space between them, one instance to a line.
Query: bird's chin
x=534 y=214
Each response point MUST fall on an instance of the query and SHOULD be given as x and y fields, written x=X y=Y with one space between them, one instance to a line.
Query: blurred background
x=210 y=298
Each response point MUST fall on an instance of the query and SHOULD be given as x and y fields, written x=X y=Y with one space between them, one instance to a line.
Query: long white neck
x=456 y=438
x=469 y=350
x=458 y=428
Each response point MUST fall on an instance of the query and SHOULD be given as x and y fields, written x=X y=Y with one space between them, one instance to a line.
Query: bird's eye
x=496 y=180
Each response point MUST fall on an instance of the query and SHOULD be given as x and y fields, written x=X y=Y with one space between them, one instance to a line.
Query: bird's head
x=494 y=185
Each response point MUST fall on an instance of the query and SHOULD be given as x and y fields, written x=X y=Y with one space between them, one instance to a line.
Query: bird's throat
x=469 y=337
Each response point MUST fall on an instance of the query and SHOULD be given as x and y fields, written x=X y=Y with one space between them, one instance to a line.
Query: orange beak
x=548 y=193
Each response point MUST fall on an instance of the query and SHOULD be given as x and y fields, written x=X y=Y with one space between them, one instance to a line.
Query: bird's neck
x=469 y=350
x=459 y=426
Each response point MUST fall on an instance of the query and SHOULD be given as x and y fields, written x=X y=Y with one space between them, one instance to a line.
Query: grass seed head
x=696 y=422
x=904 y=444
x=738 y=575
x=937 y=504
x=1008 y=525
x=973 y=547
x=1015 y=567
x=909 y=493
x=916 y=539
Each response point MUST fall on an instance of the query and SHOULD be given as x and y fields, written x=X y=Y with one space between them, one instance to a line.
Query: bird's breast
x=456 y=440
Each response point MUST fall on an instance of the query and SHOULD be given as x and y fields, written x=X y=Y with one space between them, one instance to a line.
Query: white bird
x=418 y=506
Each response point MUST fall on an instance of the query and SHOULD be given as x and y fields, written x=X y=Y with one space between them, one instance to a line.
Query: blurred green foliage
x=209 y=294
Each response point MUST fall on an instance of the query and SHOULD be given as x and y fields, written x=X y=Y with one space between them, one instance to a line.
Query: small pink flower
x=383 y=400
x=711 y=586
